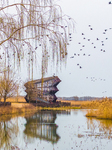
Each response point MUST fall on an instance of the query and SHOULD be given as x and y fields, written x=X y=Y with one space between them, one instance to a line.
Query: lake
x=55 y=130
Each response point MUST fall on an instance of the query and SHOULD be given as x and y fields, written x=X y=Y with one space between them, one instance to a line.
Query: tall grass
x=7 y=110
x=104 y=110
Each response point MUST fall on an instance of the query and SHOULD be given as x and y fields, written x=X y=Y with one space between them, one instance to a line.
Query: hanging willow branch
x=27 y=24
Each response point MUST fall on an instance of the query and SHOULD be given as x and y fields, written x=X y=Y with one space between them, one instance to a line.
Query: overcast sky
x=89 y=64
x=89 y=73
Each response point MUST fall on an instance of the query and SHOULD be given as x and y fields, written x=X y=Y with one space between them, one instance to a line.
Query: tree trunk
x=4 y=100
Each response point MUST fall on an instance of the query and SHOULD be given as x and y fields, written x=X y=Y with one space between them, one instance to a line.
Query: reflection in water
x=8 y=131
x=41 y=130
x=13 y=131
x=42 y=125
x=100 y=128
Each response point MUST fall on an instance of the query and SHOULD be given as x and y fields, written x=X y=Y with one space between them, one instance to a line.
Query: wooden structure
x=42 y=90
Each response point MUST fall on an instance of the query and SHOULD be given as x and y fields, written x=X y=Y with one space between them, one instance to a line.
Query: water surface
x=55 y=130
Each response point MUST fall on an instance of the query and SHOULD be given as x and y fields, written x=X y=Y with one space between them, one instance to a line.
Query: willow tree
x=27 y=25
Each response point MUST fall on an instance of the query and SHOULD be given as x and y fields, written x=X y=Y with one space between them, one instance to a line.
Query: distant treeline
x=76 y=98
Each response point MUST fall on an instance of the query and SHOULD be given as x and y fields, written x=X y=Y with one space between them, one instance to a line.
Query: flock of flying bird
x=82 y=46
x=101 y=46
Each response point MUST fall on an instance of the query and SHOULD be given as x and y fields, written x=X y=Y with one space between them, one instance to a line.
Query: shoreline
x=103 y=107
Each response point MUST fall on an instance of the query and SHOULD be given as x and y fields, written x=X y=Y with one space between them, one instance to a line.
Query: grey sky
x=95 y=76
x=89 y=73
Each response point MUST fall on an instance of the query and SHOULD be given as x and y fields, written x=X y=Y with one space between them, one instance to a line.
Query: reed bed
x=104 y=110
x=84 y=104
x=7 y=110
